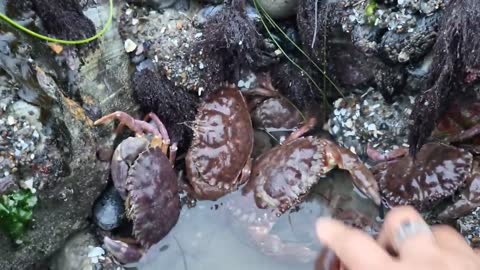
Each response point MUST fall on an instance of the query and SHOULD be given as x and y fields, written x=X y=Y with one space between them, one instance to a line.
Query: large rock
x=67 y=191
x=74 y=177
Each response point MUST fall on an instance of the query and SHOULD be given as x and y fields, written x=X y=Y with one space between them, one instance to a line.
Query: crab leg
x=123 y=252
x=173 y=153
x=161 y=127
x=392 y=155
x=136 y=126
x=165 y=139
x=302 y=130
x=263 y=92
x=362 y=176
x=466 y=134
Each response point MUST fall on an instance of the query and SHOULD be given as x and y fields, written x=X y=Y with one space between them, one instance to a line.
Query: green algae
x=16 y=212
x=370 y=11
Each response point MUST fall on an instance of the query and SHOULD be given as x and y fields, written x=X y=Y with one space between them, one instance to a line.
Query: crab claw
x=123 y=252
x=362 y=176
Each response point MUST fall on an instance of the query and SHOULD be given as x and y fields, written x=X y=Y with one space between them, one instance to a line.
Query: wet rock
x=360 y=120
x=398 y=32
x=78 y=253
x=411 y=45
x=167 y=38
x=455 y=69
x=279 y=9
x=64 y=171
x=231 y=44
x=468 y=227
x=333 y=51
x=67 y=178
x=212 y=1
x=295 y=85
x=103 y=82
x=109 y=209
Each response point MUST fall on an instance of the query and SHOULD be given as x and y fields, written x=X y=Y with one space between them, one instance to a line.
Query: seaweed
x=175 y=107
x=455 y=67
x=64 y=19
x=16 y=212
x=331 y=48
x=231 y=44
x=295 y=86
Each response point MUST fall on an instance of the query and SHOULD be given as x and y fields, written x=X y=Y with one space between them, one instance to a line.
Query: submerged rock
x=109 y=209
x=75 y=254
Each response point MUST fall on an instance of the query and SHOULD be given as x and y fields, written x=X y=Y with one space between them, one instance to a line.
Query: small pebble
x=11 y=121
x=130 y=46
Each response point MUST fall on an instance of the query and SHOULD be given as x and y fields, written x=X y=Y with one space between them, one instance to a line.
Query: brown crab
x=218 y=161
x=282 y=176
x=145 y=178
x=271 y=111
x=440 y=169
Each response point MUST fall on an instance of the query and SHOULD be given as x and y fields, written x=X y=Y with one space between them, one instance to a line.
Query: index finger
x=354 y=248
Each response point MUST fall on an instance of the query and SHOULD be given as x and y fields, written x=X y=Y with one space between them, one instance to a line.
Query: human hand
x=405 y=242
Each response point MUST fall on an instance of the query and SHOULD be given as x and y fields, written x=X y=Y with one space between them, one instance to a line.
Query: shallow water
x=207 y=237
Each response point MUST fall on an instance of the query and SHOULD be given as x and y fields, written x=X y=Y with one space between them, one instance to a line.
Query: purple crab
x=145 y=178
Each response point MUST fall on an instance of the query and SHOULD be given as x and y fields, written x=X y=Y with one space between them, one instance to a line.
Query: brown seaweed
x=64 y=19
x=455 y=68
x=230 y=44
x=156 y=93
x=295 y=85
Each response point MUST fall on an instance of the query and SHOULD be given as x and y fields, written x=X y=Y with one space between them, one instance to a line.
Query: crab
x=271 y=111
x=146 y=180
x=441 y=169
x=218 y=161
x=282 y=176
